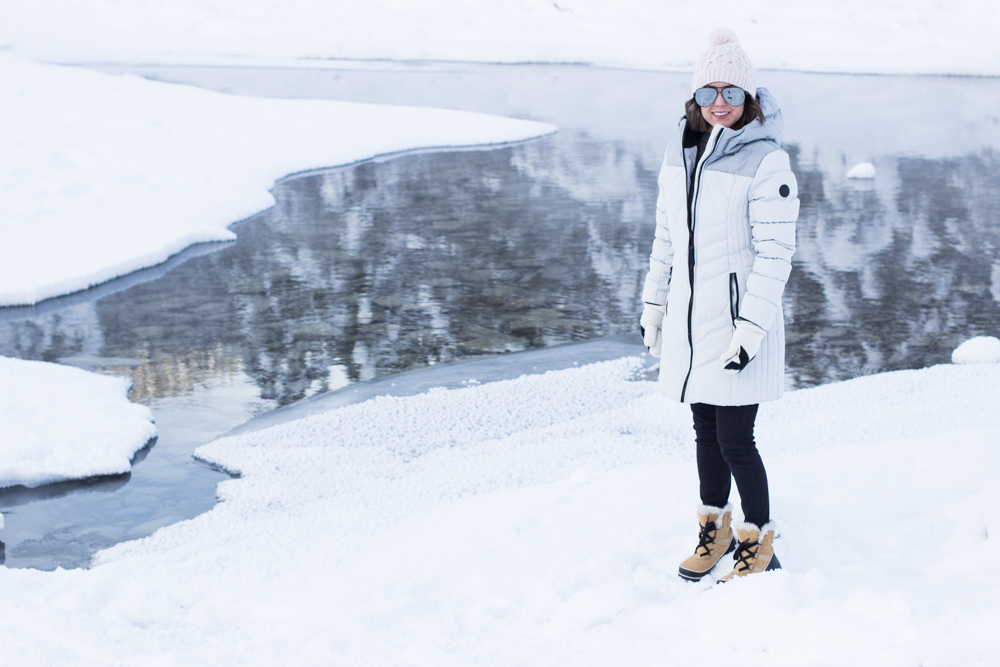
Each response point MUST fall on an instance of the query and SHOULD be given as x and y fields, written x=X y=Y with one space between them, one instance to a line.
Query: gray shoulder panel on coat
x=673 y=157
x=744 y=162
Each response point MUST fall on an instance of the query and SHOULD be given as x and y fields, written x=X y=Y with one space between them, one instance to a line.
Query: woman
x=725 y=234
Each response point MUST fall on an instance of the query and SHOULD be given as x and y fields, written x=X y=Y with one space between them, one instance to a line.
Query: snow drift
x=61 y=423
x=540 y=521
x=977 y=350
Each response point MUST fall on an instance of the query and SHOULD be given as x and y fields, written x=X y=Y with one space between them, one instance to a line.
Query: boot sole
x=691 y=575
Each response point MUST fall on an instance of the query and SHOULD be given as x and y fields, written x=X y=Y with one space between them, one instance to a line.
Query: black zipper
x=691 y=205
x=734 y=297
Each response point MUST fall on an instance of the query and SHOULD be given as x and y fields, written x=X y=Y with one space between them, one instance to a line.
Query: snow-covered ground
x=62 y=423
x=103 y=175
x=540 y=521
x=885 y=36
x=531 y=521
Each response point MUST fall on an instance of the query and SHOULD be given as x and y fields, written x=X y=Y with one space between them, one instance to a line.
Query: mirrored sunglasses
x=733 y=95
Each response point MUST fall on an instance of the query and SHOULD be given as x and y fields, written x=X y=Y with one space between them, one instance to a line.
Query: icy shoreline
x=458 y=375
x=106 y=175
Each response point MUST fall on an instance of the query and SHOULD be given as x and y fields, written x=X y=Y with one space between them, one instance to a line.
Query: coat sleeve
x=774 y=207
x=657 y=285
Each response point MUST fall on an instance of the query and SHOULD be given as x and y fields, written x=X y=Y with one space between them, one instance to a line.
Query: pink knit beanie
x=725 y=61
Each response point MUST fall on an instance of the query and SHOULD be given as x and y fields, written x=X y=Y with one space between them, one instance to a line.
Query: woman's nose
x=719 y=100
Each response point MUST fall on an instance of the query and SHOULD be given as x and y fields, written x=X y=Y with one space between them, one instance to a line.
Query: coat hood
x=730 y=141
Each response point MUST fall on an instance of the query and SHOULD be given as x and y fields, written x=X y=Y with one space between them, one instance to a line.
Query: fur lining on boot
x=708 y=509
x=761 y=532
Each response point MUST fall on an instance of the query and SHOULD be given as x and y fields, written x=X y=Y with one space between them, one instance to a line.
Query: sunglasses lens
x=734 y=96
x=705 y=96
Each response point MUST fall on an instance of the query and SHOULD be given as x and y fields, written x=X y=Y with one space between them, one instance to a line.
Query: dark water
x=926 y=286
x=367 y=271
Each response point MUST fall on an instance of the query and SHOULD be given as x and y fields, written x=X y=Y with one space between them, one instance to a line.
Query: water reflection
x=372 y=270
x=897 y=276
x=367 y=271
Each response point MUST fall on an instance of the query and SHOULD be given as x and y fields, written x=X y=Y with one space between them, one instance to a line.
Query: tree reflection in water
x=898 y=281
x=367 y=271
x=362 y=272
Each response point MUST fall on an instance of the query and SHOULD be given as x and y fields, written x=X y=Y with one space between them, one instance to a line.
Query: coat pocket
x=734 y=297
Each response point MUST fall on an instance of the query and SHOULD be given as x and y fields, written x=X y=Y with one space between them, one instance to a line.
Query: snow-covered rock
x=862 y=170
x=103 y=175
x=978 y=350
x=59 y=423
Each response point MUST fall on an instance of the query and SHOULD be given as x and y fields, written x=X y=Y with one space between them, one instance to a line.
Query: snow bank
x=862 y=170
x=978 y=350
x=889 y=36
x=61 y=423
x=540 y=521
x=103 y=175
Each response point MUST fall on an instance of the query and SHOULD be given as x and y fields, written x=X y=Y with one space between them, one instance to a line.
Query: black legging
x=726 y=449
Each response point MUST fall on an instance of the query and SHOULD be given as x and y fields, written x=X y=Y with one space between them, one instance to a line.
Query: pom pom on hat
x=722 y=36
x=725 y=61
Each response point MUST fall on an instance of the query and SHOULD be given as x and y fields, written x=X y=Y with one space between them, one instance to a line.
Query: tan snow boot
x=755 y=553
x=715 y=540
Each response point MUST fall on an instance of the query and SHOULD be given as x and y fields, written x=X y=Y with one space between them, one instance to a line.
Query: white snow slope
x=540 y=521
x=875 y=36
x=103 y=175
x=59 y=423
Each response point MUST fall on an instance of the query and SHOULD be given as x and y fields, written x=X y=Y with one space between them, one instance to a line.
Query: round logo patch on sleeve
x=784 y=191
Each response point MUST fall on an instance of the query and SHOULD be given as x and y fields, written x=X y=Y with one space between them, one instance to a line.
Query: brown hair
x=751 y=112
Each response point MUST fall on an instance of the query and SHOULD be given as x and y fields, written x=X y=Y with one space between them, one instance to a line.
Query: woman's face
x=719 y=112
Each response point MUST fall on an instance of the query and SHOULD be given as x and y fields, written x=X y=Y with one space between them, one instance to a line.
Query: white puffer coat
x=734 y=246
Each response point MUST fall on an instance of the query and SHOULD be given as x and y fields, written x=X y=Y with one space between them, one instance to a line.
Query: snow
x=528 y=521
x=61 y=423
x=453 y=375
x=978 y=350
x=540 y=520
x=862 y=170
x=889 y=36
x=104 y=175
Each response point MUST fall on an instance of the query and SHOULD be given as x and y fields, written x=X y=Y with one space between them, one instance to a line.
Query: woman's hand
x=650 y=326
x=745 y=345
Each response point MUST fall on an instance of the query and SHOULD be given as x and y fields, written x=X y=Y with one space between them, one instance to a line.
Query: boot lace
x=745 y=553
x=705 y=539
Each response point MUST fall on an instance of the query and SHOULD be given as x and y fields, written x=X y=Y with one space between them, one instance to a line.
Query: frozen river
x=361 y=273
